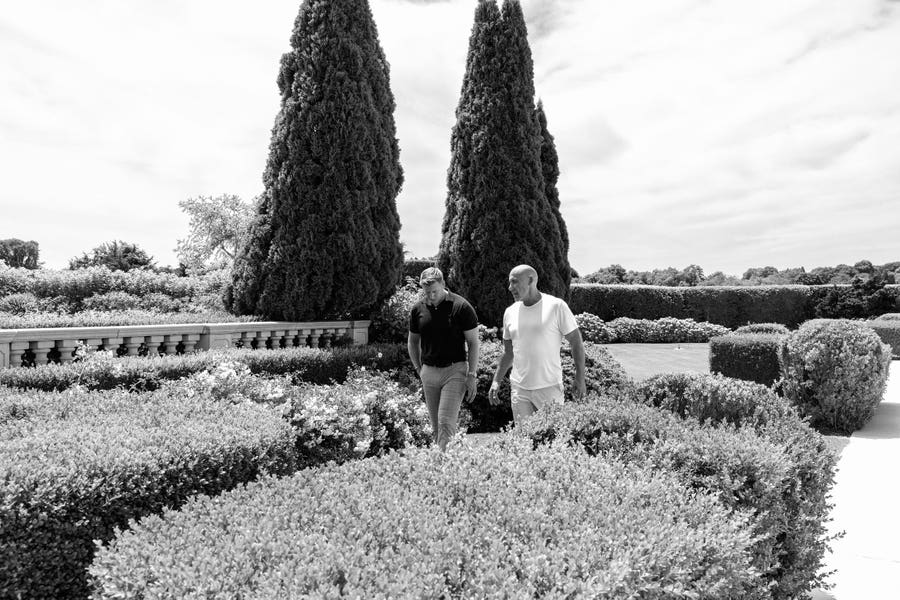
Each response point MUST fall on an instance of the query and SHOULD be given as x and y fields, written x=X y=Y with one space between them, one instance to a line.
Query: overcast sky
x=722 y=133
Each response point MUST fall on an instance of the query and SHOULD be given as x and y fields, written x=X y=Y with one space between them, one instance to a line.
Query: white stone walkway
x=867 y=507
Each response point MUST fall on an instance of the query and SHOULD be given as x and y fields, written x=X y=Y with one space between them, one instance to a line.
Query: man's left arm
x=473 y=344
x=574 y=338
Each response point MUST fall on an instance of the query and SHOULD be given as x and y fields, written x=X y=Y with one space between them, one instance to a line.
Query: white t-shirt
x=537 y=333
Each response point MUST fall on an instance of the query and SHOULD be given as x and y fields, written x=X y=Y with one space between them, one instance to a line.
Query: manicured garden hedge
x=889 y=332
x=746 y=471
x=722 y=400
x=102 y=371
x=109 y=318
x=748 y=356
x=500 y=521
x=625 y=330
x=835 y=372
x=75 y=466
x=728 y=306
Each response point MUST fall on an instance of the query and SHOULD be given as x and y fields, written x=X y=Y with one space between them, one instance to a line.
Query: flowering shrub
x=732 y=402
x=665 y=330
x=75 y=466
x=107 y=318
x=391 y=323
x=835 y=371
x=423 y=525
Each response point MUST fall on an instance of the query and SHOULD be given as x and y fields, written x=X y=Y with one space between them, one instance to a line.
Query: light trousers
x=444 y=390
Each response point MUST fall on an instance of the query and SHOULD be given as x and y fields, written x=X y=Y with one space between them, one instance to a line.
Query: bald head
x=523 y=284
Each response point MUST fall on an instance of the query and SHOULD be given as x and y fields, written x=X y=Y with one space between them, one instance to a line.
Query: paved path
x=867 y=507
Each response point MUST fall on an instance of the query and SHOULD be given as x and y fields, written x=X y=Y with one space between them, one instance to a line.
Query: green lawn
x=642 y=361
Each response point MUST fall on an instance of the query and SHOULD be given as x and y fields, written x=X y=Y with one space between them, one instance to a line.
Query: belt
x=441 y=365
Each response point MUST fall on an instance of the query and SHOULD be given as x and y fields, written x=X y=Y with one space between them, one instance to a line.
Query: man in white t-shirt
x=533 y=330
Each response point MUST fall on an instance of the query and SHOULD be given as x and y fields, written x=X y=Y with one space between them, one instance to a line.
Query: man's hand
x=580 y=388
x=493 y=394
x=471 y=387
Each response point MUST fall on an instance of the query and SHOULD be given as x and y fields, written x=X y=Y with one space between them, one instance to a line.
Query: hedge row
x=87 y=463
x=774 y=465
x=496 y=521
x=102 y=371
x=75 y=286
x=729 y=306
x=109 y=318
x=625 y=330
x=889 y=332
x=748 y=356
x=74 y=467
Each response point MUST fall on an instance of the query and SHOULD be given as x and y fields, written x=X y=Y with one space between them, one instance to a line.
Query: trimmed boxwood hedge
x=310 y=365
x=835 y=371
x=495 y=521
x=744 y=470
x=889 y=332
x=723 y=400
x=728 y=306
x=76 y=466
x=748 y=356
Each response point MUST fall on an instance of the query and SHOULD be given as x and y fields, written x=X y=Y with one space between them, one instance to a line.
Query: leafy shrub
x=602 y=375
x=422 y=525
x=776 y=328
x=889 y=332
x=101 y=371
x=76 y=466
x=391 y=323
x=835 y=372
x=19 y=304
x=717 y=399
x=665 y=330
x=111 y=301
x=100 y=318
x=593 y=329
x=746 y=472
x=748 y=356
x=888 y=317
x=865 y=297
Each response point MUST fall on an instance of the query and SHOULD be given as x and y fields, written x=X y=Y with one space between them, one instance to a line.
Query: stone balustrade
x=40 y=346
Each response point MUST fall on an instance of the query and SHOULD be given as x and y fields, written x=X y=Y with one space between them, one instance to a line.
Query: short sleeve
x=567 y=322
x=466 y=317
x=414 y=320
x=507 y=335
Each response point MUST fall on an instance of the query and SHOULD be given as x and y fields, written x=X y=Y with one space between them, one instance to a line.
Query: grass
x=642 y=361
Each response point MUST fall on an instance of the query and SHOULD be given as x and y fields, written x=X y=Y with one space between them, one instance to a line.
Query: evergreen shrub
x=603 y=374
x=746 y=472
x=665 y=330
x=889 y=332
x=728 y=306
x=593 y=329
x=775 y=328
x=391 y=323
x=76 y=466
x=835 y=372
x=888 y=317
x=422 y=524
x=102 y=371
x=748 y=356
x=723 y=400
x=108 y=318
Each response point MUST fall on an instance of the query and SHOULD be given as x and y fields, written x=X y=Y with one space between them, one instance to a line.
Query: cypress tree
x=325 y=242
x=550 y=171
x=497 y=212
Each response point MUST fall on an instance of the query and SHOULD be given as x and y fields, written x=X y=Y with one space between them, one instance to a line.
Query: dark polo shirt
x=441 y=328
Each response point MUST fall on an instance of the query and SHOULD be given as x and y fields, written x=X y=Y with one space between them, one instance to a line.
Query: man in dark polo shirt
x=443 y=347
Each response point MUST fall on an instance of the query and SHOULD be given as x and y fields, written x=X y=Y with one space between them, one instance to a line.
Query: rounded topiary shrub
x=722 y=400
x=776 y=328
x=748 y=356
x=495 y=521
x=835 y=371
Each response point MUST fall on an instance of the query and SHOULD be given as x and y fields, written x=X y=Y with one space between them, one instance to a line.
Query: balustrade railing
x=40 y=346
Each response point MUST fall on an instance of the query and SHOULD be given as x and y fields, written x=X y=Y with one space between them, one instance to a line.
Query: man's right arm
x=505 y=363
x=415 y=350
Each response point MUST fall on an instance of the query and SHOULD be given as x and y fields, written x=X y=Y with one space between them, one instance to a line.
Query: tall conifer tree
x=550 y=170
x=325 y=242
x=497 y=213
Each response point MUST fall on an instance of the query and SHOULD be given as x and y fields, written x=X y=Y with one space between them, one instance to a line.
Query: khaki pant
x=444 y=390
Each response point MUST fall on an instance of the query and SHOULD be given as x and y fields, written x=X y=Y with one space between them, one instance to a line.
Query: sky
x=725 y=134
